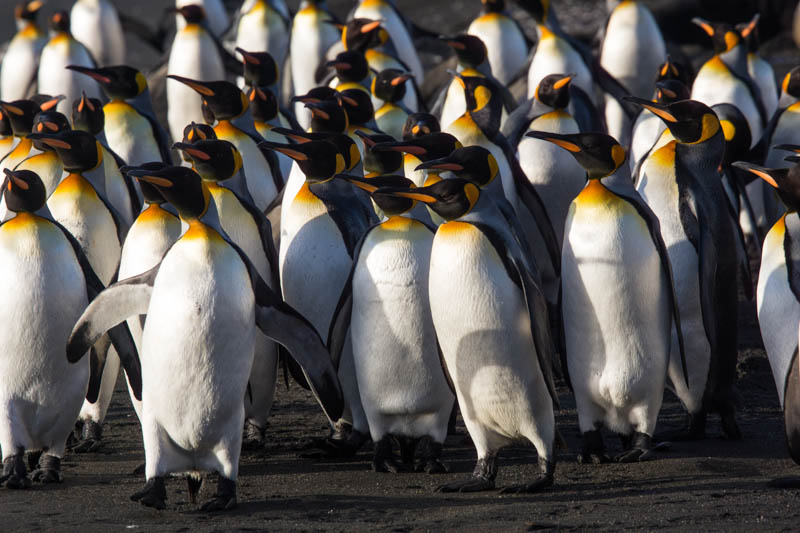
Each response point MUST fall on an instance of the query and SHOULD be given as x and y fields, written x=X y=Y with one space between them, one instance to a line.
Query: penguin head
x=45 y=101
x=724 y=36
x=419 y=124
x=119 y=81
x=319 y=160
x=599 y=154
x=317 y=94
x=749 y=32
x=88 y=114
x=350 y=65
x=20 y=114
x=538 y=9
x=390 y=204
x=328 y=116
x=672 y=70
x=225 y=100
x=470 y=50
x=493 y=6
x=180 y=186
x=361 y=34
x=483 y=102
x=791 y=83
x=735 y=130
x=149 y=191
x=25 y=192
x=357 y=105
x=213 y=159
x=553 y=90
x=689 y=121
x=192 y=13
x=263 y=104
x=473 y=163
x=59 y=22
x=669 y=91
x=345 y=145
x=390 y=85
x=450 y=199
x=260 y=68
x=78 y=150
x=786 y=181
x=380 y=162
x=49 y=122
x=425 y=148
x=27 y=11
x=196 y=132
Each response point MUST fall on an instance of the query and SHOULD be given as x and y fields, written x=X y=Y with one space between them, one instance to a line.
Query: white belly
x=262 y=29
x=505 y=45
x=95 y=23
x=764 y=78
x=129 y=134
x=646 y=131
x=54 y=78
x=19 y=67
x=554 y=56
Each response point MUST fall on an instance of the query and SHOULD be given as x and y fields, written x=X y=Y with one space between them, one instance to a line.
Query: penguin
x=264 y=108
x=351 y=71
x=778 y=301
x=759 y=70
x=231 y=108
x=491 y=321
x=193 y=55
x=42 y=389
x=783 y=127
x=95 y=23
x=321 y=223
x=312 y=35
x=217 y=161
x=131 y=128
x=633 y=49
x=380 y=163
x=46 y=164
x=419 y=124
x=192 y=409
x=418 y=150
x=357 y=105
x=681 y=183
x=21 y=60
x=21 y=114
x=263 y=25
x=555 y=54
x=389 y=86
x=262 y=72
x=472 y=60
x=506 y=46
x=618 y=301
x=216 y=15
x=385 y=306
x=7 y=138
x=60 y=51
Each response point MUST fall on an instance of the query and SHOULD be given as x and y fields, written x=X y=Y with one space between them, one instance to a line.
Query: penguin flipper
x=622 y=186
x=265 y=233
x=517 y=122
x=791 y=248
x=97 y=363
x=744 y=264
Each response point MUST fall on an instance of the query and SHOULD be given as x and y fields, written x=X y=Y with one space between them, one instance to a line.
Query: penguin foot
x=430 y=451
x=139 y=470
x=482 y=477
x=594 y=449
x=384 y=459
x=90 y=439
x=154 y=494
x=335 y=448
x=194 y=480
x=224 y=499
x=790 y=482
x=543 y=480
x=641 y=449
x=48 y=470
x=33 y=459
x=253 y=438
x=15 y=475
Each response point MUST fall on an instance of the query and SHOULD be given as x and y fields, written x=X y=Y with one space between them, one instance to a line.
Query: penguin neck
x=244 y=122
x=704 y=157
x=97 y=175
x=142 y=103
x=209 y=219
x=28 y=29
x=736 y=60
x=398 y=222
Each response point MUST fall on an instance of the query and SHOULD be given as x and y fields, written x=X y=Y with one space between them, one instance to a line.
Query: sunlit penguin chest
x=261 y=29
x=49 y=168
x=787 y=131
x=455 y=104
x=259 y=177
x=19 y=153
x=504 y=42
x=129 y=134
x=391 y=119
x=147 y=241
x=554 y=55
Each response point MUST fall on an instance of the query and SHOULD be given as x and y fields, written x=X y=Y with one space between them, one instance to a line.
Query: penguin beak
x=85 y=102
x=349 y=101
x=792 y=158
x=369 y=26
x=34 y=6
x=198 y=86
x=285 y=149
x=399 y=147
x=412 y=194
x=367 y=140
x=788 y=147
x=338 y=65
x=761 y=172
x=316 y=111
x=358 y=182
x=247 y=56
x=657 y=109
x=297 y=136
x=50 y=140
x=305 y=99
x=443 y=163
x=191 y=150
x=50 y=104
x=142 y=174
x=12 y=109
x=13 y=179
x=555 y=139
x=453 y=43
x=707 y=27
x=669 y=67
x=563 y=82
x=92 y=73
x=400 y=79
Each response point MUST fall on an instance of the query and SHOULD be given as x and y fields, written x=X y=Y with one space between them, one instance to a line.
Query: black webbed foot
x=224 y=499
x=594 y=450
x=429 y=452
x=543 y=480
x=384 y=459
x=253 y=438
x=15 y=475
x=482 y=477
x=48 y=470
x=154 y=494
x=91 y=438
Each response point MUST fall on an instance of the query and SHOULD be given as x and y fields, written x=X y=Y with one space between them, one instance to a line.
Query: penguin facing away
x=192 y=410
x=95 y=23
x=505 y=42
x=21 y=60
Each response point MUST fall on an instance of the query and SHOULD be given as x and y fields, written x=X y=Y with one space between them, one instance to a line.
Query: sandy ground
x=714 y=485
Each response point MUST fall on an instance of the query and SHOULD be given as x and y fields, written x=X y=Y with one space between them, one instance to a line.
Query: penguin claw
x=46 y=475
x=225 y=502
x=431 y=466
x=154 y=494
x=593 y=458
x=88 y=446
x=90 y=438
x=253 y=437
x=472 y=484
x=632 y=456
x=16 y=482
x=15 y=475
x=388 y=464
x=541 y=482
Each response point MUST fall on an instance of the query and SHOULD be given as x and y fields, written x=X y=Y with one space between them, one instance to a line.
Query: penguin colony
x=455 y=254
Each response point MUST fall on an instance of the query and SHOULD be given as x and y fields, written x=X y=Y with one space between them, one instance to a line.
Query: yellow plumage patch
x=397 y=223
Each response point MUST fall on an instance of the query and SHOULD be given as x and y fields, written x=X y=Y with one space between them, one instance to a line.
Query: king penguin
x=216 y=14
x=491 y=320
x=618 y=301
x=42 y=391
x=192 y=409
x=263 y=26
x=96 y=24
x=506 y=46
x=759 y=70
x=389 y=87
x=21 y=59
x=682 y=185
x=47 y=165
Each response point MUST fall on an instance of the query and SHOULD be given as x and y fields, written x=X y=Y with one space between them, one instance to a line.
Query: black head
x=493 y=6
x=59 y=22
x=328 y=116
x=749 y=32
x=786 y=181
x=791 y=83
x=723 y=35
x=45 y=101
x=538 y=9
x=5 y=124
x=192 y=14
x=78 y=150
x=225 y=100
x=344 y=144
x=319 y=160
x=470 y=50
x=390 y=85
x=28 y=10
x=21 y=114
x=483 y=102
x=358 y=106
x=151 y=194
x=553 y=90
x=689 y=121
x=735 y=130
x=25 y=192
x=383 y=162
x=361 y=34
x=213 y=159
x=425 y=148
x=419 y=124
x=450 y=199
x=49 y=122
x=260 y=68
x=350 y=65
x=672 y=70
x=88 y=115
x=317 y=94
x=599 y=154
x=198 y=132
x=120 y=81
x=473 y=163
x=669 y=91
x=180 y=186
x=389 y=204
x=263 y=104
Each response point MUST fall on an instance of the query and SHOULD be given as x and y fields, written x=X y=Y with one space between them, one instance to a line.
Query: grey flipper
x=143 y=105
x=349 y=208
x=517 y=122
x=733 y=211
x=621 y=185
x=791 y=248
x=97 y=363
